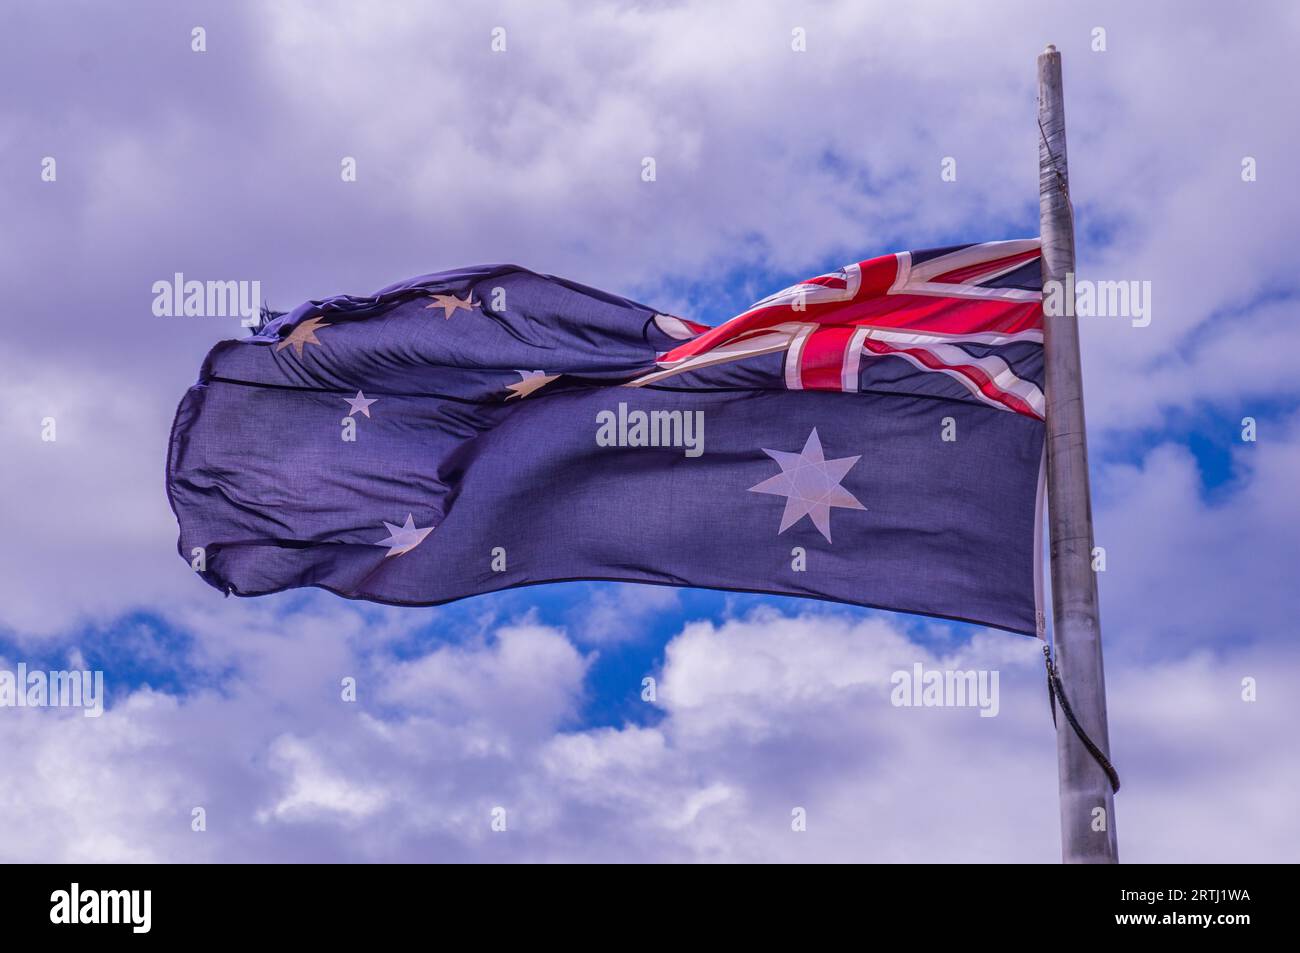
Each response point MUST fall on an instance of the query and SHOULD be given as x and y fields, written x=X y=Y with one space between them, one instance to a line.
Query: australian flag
x=871 y=436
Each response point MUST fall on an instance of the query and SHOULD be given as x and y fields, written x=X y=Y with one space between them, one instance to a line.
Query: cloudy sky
x=772 y=165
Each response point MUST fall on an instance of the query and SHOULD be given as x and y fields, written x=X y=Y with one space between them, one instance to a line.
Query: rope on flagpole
x=1055 y=693
x=1055 y=689
x=1061 y=182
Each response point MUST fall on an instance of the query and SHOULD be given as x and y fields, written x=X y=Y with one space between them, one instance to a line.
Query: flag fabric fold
x=871 y=436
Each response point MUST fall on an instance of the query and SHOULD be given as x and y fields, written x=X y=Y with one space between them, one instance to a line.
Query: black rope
x=1055 y=692
x=1051 y=156
x=1060 y=177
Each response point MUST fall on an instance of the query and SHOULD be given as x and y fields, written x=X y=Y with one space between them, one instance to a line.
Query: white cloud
x=313 y=789
x=619 y=613
x=1185 y=571
x=759 y=715
x=86 y=528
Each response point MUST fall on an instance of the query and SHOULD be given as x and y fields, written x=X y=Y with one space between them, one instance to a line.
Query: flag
x=871 y=436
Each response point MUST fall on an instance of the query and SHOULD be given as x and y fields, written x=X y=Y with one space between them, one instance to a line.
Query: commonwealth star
x=810 y=484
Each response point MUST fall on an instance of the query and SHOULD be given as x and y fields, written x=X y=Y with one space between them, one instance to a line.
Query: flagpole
x=1087 y=801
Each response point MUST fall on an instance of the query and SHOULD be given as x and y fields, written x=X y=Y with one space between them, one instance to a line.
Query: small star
x=359 y=404
x=450 y=304
x=302 y=335
x=532 y=380
x=810 y=484
x=403 y=539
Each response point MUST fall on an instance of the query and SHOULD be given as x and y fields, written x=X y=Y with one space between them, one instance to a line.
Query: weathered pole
x=1087 y=801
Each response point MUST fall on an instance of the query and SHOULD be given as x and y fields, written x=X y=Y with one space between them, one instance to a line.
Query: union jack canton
x=971 y=313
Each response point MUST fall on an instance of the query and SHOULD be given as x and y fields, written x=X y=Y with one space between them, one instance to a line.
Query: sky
x=772 y=164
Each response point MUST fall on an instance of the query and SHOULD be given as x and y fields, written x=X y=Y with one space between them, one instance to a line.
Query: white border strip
x=853 y=360
x=794 y=356
x=853 y=281
x=902 y=273
x=940 y=290
x=973 y=255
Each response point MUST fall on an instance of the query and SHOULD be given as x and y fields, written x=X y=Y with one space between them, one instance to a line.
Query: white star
x=302 y=335
x=359 y=404
x=531 y=381
x=403 y=539
x=810 y=484
x=450 y=304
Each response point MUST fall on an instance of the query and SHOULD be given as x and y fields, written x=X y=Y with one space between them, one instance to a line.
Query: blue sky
x=772 y=165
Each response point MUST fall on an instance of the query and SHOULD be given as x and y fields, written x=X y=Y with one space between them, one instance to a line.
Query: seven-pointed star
x=302 y=335
x=359 y=404
x=532 y=380
x=810 y=484
x=403 y=539
x=450 y=304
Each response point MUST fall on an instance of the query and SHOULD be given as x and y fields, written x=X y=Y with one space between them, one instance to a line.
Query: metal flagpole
x=1087 y=801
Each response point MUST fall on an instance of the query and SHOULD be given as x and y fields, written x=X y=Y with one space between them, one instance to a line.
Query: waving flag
x=871 y=436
